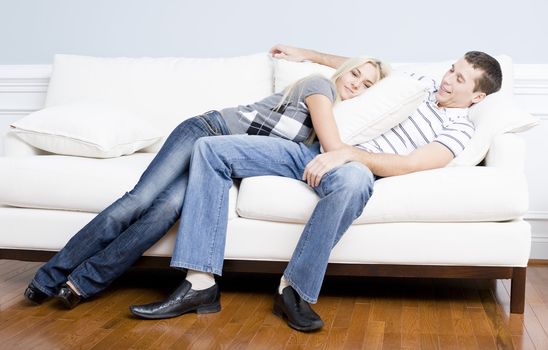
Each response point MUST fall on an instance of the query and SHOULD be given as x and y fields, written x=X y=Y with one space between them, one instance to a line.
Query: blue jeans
x=110 y=243
x=200 y=243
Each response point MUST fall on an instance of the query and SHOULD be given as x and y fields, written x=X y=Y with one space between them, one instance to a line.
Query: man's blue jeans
x=200 y=243
x=109 y=244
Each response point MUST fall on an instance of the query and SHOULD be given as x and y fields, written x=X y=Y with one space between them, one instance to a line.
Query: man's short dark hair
x=491 y=79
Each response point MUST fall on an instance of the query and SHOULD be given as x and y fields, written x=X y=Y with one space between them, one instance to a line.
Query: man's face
x=457 y=86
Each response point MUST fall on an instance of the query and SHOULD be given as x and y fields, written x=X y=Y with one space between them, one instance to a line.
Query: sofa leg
x=517 y=291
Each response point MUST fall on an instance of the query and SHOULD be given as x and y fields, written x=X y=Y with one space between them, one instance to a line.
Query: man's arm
x=298 y=54
x=431 y=156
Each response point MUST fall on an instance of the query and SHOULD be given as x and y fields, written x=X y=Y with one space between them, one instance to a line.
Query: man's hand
x=322 y=163
x=298 y=54
x=289 y=53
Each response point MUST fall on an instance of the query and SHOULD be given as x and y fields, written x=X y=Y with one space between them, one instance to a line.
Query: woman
x=109 y=244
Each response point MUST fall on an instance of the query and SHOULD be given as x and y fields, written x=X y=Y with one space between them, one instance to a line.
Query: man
x=430 y=138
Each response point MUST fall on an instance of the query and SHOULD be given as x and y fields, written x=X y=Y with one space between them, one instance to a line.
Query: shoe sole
x=204 y=309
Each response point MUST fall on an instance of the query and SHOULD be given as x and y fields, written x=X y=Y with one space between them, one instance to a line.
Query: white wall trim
x=20 y=112
x=531 y=87
x=536 y=215
x=19 y=78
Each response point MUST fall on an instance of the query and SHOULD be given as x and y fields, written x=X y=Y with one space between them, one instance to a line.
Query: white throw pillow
x=87 y=130
x=495 y=115
x=378 y=109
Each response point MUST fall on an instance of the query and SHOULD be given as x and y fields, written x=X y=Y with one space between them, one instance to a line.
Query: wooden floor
x=359 y=313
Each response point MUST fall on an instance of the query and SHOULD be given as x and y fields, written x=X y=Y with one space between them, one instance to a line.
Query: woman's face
x=356 y=81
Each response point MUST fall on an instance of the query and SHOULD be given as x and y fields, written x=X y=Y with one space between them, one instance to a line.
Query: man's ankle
x=283 y=284
x=200 y=280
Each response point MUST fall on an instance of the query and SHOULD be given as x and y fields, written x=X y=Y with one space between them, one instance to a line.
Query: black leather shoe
x=35 y=295
x=298 y=312
x=183 y=300
x=67 y=297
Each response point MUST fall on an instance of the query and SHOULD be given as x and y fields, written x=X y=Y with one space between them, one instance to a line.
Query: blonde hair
x=382 y=68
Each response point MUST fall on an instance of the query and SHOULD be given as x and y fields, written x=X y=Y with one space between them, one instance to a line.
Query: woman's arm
x=298 y=54
x=320 y=108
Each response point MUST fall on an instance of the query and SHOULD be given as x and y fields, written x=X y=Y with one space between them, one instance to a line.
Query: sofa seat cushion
x=453 y=194
x=73 y=183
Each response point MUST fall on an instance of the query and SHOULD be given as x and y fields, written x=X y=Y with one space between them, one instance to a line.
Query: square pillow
x=496 y=114
x=379 y=108
x=86 y=130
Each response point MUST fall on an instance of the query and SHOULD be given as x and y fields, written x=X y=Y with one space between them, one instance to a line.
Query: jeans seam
x=305 y=242
x=216 y=226
x=202 y=268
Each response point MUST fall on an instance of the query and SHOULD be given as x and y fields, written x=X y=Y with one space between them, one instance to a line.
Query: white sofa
x=455 y=222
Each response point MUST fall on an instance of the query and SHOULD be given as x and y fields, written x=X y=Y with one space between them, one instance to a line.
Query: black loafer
x=183 y=300
x=298 y=312
x=35 y=295
x=67 y=297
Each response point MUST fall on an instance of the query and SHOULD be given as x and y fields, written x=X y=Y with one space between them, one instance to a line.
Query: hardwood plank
x=410 y=327
x=327 y=309
x=357 y=327
x=497 y=320
x=344 y=313
x=374 y=336
x=448 y=342
x=522 y=343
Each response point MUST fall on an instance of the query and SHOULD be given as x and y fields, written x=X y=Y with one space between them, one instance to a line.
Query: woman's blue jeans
x=109 y=244
x=200 y=243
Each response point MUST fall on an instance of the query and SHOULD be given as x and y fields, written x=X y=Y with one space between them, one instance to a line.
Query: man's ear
x=478 y=97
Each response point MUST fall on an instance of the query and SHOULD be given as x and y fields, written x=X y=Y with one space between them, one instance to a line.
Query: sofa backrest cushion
x=163 y=90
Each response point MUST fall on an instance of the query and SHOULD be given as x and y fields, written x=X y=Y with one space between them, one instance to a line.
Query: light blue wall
x=31 y=31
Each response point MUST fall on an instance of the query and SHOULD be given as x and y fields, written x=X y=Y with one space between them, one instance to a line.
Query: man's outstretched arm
x=431 y=156
x=298 y=54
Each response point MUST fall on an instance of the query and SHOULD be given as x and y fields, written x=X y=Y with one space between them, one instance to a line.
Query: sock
x=73 y=287
x=200 y=280
x=283 y=284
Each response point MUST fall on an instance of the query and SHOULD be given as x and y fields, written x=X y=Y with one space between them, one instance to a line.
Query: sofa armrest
x=15 y=147
x=507 y=151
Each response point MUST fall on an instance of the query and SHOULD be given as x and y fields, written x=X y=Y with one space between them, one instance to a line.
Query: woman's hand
x=322 y=163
